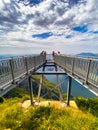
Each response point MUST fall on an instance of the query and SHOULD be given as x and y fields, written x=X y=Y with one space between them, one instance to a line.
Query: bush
x=16 y=92
x=1 y=99
x=26 y=97
x=89 y=105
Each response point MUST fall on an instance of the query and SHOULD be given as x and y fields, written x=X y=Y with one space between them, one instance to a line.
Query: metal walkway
x=15 y=70
x=83 y=70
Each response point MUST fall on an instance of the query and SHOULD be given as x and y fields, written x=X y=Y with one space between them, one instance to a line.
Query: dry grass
x=56 y=104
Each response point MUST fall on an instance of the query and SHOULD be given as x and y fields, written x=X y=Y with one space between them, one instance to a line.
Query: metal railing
x=14 y=68
x=83 y=68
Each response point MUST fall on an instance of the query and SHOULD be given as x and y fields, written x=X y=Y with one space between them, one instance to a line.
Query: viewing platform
x=15 y=70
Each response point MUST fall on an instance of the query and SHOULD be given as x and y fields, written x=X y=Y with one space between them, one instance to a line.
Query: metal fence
x=84 y=68
x=13 y=68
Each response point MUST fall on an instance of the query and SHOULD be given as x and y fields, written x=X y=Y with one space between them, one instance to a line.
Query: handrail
x=13 y=68
x=84 y=68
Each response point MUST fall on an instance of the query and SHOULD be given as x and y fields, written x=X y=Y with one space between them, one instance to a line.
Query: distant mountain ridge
x=88 y=54
x=83 y=54
x=3 y=56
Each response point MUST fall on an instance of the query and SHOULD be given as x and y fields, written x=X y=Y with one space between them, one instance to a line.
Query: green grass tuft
x=88 y=105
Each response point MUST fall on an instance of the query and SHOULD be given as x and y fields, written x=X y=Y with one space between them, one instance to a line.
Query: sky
x=31 y=26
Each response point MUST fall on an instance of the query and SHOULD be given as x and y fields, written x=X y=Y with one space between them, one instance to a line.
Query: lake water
x=76 y=89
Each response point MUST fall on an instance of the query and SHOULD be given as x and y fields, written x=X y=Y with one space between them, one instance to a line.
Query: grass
x=88 y=105
x=14 y=117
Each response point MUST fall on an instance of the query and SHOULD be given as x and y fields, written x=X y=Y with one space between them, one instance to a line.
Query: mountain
x=88 y=54
x=3 y=56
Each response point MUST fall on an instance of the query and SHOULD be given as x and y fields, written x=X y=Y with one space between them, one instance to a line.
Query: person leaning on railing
x=43 y=53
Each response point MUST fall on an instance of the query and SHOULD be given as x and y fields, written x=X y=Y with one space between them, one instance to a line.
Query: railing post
x=73 y=61
x=26 y=64
x=12 y=69
x=34 y=62
x=69 y=90
x=31 y=90
x=40 y=84
x=88 y=69
x=65 y=62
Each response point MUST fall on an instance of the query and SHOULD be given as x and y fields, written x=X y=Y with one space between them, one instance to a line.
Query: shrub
x=1 y=99
x=16 y=92
x=26 y=97
x=90 y=105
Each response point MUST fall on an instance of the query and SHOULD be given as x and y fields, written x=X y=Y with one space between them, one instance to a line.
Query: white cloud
x=19 y=23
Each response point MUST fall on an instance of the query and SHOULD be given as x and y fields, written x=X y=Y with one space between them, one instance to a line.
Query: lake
x=76 y=89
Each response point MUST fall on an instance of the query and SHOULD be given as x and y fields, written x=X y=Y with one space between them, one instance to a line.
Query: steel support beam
x=49 y=73
x=39 y=90
x=31 y=89
x=59 y=87
x=40 y=84
x=58 y=84
x=69 y=90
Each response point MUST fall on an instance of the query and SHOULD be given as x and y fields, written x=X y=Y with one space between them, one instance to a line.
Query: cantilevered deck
x=16 y=70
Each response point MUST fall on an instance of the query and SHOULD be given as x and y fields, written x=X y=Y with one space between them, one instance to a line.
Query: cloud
x=63 y=24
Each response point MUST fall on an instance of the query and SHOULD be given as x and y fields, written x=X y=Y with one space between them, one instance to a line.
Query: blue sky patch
x=95 y=32
x=81 y=29
x=30 y=2
x=69 y=36
x=35 y=1
x=43 y=35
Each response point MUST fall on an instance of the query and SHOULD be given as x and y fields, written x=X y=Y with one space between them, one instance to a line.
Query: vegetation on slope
x=88 y=105
x=14 y=117
x=46 y=87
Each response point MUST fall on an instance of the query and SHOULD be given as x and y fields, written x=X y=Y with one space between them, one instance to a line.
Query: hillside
x=49 y=90
x=13 y=116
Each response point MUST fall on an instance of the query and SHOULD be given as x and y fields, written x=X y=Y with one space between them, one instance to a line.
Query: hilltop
x=13 y=116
